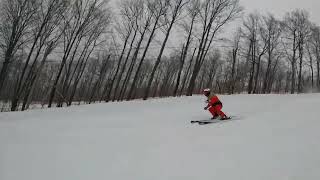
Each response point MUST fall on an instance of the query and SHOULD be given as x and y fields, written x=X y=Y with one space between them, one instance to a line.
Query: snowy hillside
x=277 y=137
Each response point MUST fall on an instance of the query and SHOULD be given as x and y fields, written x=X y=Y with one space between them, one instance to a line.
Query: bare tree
x=303 y=34
x=144 y=22
x=16 y=19
x=311 y=62
x=188 y=27
x=211 y=70
x=97 y=28
x=176 y=7
x=101 y=76
x=50 y=41
x=130 y=12
x=315 y=46
x=125 y=64
x=187 y=73
x=47 y=18
x=234 y=57
x=80 y=16
x=261 y=51
x=158 y=8
x=251 y=28
x=271 y=36
x=293 y=22
x=214 y=14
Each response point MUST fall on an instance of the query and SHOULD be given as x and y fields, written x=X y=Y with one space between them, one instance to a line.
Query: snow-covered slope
x=277 y=137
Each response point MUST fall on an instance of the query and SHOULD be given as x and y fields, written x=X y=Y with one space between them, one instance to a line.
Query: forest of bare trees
x=56 y=53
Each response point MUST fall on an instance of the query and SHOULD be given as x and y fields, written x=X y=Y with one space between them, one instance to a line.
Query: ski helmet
x=206 y=91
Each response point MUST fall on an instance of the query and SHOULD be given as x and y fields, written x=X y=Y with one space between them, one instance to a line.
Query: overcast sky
x=280 y=7
x=277 y=7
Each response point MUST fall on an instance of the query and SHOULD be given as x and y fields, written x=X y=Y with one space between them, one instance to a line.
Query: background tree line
x=61 y=52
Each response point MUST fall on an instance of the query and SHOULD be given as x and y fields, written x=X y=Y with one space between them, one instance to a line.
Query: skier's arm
x=209 y=104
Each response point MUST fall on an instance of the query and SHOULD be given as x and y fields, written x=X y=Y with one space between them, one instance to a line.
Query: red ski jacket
x=213 y=100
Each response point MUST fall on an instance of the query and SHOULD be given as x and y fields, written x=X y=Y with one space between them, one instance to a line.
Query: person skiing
x=214 y=105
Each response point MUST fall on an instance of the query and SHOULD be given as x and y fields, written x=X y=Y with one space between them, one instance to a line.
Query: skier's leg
x=219 y=112
x=213 y=112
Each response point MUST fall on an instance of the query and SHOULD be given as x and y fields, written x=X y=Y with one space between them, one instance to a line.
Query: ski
x=204 y=122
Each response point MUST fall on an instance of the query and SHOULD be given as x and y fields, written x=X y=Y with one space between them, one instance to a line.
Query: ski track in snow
x=277 y=137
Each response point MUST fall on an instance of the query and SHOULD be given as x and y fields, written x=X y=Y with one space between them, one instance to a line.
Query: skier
x=214 y=105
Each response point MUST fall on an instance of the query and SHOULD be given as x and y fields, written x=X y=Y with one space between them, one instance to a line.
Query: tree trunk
x=250 y=83
x=174 y=16
x=181 y=64
x=77 y=79
x=255 y=90
x=266 y=77
x=233 y=70
x=133 y=61
x=185 y=79
x=293 y=66
x=311 y=67
x=300 y=67
x=3 y=72
x=203 y=50
x=35 y=77
x=184 y=53
x=133 y=85
x=98 y=82
x=118 y=68
x=318 y=74
x=124 y=67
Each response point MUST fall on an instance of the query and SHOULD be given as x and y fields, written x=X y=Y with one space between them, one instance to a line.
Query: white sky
x=277 y=7
x=280 y=7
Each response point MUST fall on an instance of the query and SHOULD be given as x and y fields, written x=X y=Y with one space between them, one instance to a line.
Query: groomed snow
x=276 y=138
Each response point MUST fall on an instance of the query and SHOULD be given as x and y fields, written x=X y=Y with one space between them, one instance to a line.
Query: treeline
x=58 y=52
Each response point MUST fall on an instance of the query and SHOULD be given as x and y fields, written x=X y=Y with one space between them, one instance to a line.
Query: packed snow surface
x=274 y=137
